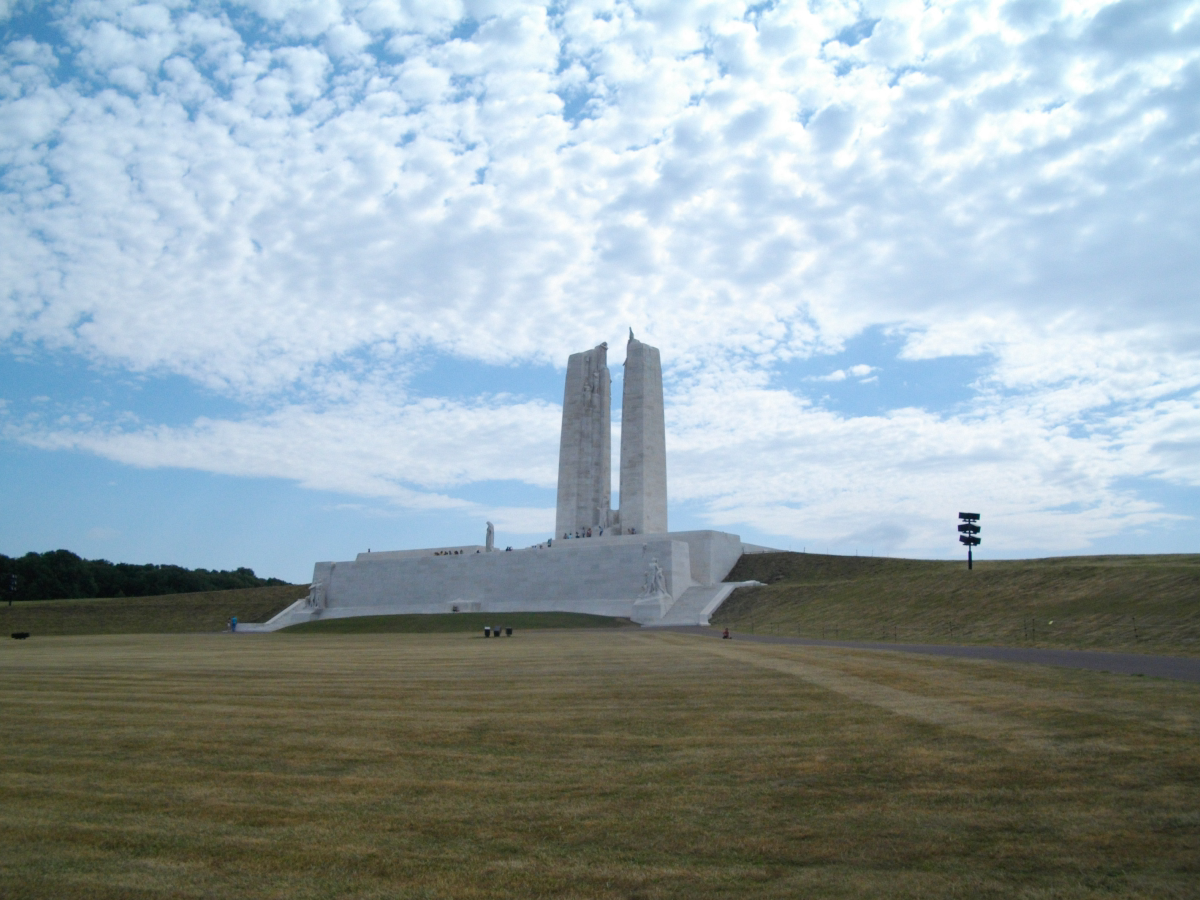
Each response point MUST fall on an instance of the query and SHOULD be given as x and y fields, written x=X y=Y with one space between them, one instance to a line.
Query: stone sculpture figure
x=655 y=583
x=489 y=542
x=316 y=596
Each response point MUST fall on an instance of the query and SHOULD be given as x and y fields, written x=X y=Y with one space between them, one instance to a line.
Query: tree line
x=61 y=575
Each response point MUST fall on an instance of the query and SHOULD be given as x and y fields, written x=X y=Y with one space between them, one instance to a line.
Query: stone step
x=699 y=602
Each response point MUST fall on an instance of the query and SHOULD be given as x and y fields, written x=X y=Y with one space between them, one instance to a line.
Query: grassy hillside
x=1148 y=604
x=167 y=614
x=455 y=622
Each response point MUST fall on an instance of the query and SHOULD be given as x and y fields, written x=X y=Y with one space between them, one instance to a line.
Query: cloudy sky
x=281 y=281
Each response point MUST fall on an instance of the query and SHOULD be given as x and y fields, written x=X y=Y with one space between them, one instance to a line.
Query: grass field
x=1147 y=604
x=608 y=763
x=168 y=614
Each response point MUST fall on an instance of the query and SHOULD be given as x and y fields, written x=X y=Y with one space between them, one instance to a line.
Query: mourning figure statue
x=655 y=582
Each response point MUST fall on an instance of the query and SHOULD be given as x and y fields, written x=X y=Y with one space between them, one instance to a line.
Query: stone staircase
x=295 y=614
x=697 y=603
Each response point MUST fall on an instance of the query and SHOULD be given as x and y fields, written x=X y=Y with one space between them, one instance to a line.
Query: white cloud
x=255 y=196
x=367 y=446
x=861 y=371
x=409 y=453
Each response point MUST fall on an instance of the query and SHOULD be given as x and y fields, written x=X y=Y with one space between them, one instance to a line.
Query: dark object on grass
x=20 y=635
x=969 y=533
x=508 y=632
x=487 y=630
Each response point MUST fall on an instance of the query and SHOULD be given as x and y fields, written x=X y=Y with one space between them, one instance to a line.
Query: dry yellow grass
x=609 y=763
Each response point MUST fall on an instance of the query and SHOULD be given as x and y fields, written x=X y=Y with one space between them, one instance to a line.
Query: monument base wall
x=603 y=576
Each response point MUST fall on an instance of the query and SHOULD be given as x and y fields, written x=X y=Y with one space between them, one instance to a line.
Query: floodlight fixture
x=968 y=534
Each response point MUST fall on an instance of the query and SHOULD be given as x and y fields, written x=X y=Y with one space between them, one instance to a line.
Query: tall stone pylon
x=585 y=450
x=643 y=443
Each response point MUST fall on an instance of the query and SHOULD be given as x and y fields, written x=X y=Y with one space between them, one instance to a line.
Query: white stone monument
x=608 y=563
x=643 y=443
x=585 y=448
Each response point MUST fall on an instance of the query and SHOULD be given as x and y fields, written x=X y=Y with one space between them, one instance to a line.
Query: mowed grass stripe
x=932 y=711
x=986 y=685
x=606 y=764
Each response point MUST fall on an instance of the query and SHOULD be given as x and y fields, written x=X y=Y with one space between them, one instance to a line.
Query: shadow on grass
x=455 y=622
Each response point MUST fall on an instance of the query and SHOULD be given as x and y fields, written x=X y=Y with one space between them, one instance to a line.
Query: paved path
x=1181 y=668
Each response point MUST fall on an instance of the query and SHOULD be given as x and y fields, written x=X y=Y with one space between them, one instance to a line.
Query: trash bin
x=487 y=631
x=496 y=630
x=508 y=631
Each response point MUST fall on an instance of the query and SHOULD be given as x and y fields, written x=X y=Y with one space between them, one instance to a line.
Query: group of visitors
x=581 y=533
x=587 y=533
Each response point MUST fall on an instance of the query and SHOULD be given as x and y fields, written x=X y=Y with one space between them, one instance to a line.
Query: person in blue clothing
x=233 y=623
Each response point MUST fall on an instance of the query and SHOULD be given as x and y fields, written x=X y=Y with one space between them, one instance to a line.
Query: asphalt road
x=1181 y=668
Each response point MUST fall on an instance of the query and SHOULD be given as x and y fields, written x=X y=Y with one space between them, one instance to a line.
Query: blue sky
x=283 y=281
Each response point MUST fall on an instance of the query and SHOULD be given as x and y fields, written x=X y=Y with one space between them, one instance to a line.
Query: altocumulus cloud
x=286 y=202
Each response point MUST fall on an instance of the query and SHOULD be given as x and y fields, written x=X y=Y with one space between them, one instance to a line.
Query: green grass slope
x=1148 y=604
x=455 y=622
x=167 y=614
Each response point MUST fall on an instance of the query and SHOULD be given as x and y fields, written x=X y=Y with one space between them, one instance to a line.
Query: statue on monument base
x=655 y=582
x=655 y=600
x=316 y=596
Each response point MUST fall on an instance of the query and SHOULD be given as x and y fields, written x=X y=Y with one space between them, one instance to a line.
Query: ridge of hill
x=165 y=614
x=1143 y=603
x=1148 y=603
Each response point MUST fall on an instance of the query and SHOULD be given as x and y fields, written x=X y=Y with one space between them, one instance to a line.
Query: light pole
x=968 y=532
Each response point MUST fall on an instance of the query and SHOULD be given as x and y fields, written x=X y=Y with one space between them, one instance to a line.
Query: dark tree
x=61 y=575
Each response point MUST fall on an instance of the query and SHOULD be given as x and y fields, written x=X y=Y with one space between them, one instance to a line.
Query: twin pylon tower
x=585 y=450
